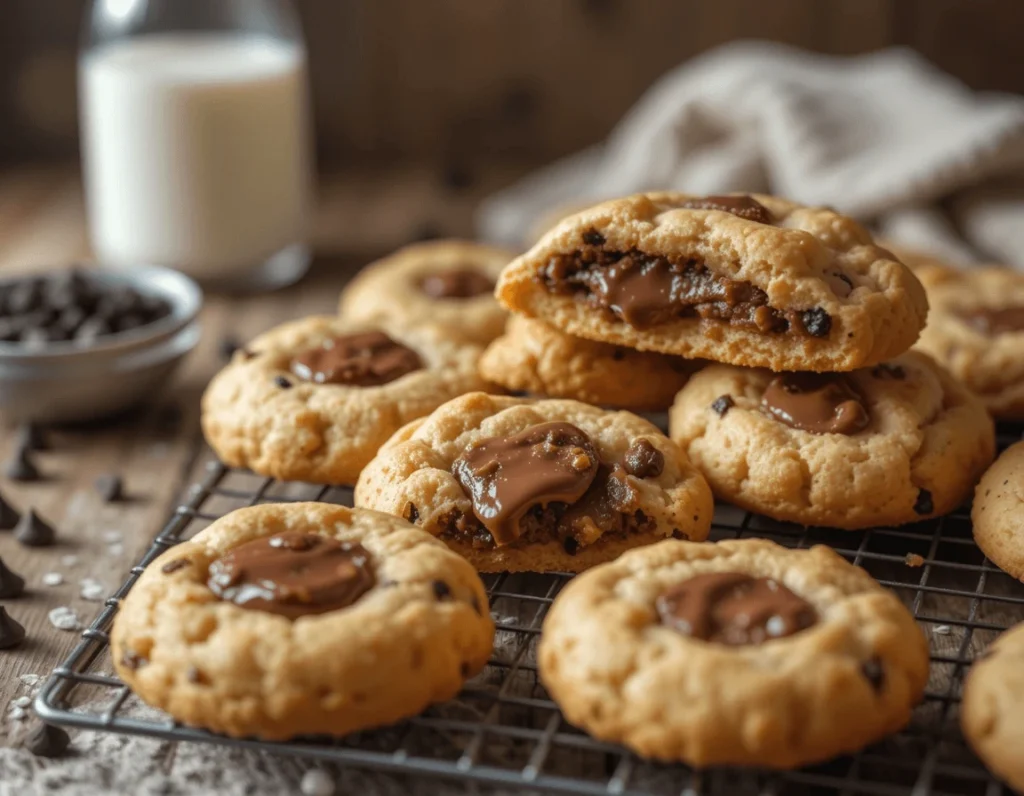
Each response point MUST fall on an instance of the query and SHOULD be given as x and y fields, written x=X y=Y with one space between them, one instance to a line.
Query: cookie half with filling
x=305 y=618
x=888 y=445
x=746 y=280
x=312 y=400
x=448 y=283
x=516 y=485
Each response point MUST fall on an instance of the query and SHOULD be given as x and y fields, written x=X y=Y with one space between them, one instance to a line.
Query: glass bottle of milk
x=195 y=139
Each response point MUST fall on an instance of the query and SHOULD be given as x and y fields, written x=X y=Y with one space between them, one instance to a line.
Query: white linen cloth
x=884 y=137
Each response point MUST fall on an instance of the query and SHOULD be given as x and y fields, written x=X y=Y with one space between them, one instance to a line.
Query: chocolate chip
x=924 y=504
x=11 y=633
x=228 y=345
x=643 y=460
x=31 y=437
x=174 y=565
x=817 y=322
x=11 y=584
x=874 y=673
x=110 y=487
x=722 y=404
x=441 y=590
x=33 y=531
x=282 y=382
x=90 y=329
x=593 y=238
x=20 y=467
x=570 y=545
x=131 y=660
x=46 y=740
x=411 y=512
x=9 y=516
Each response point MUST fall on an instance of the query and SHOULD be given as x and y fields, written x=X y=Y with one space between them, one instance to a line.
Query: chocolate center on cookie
x=646 y=290
x=293 y=574
x=1004 y=320
x=458 y=283
x=734 y=608
x=743 y=206
x=366 y=359
x=822 y=403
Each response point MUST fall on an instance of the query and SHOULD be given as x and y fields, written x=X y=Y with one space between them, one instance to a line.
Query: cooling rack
x=504 y=733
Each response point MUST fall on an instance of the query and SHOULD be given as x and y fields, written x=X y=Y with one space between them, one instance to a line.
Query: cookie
x=305 y=618
x=741 y=652
x=312 y=400
x=536 y=358
x=747 y=280
x=976 y=329
x=998 y=509
x=887 y=445
x=449 y=283
x=534 y=486
x=992 y=711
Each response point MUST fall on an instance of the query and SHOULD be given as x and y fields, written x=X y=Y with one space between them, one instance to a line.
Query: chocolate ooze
x=457 y=283
x=367 y=359
x=822 y=403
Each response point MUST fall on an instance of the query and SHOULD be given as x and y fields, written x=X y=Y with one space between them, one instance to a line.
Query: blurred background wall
x=455 y=81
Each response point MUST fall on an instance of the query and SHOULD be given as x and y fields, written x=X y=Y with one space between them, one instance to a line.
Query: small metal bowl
x=65 y=382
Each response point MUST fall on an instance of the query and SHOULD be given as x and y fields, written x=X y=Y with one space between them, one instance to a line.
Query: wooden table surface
x=361 y=215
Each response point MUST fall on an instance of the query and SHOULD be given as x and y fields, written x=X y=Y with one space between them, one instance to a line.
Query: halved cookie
x=536 y=358
x=312 y=400
x=448 y=283
x=289 y=619
x=748 y=280
x=888 y=445
x=516 y=485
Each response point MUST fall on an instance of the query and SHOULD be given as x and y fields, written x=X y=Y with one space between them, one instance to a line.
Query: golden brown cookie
x=887 y=445
x=997 y=516
x=312 y=400
x=449 y=283
x=303 y=618
x=976 y=329
x=536 y=358
x=518 y=485
x=748 y=280
x=992 y=711
x=741 y=652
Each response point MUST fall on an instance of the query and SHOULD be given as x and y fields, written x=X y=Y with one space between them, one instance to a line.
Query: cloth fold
x=884 y=137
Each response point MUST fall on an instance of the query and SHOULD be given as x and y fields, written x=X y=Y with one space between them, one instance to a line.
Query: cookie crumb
x=16 y=713
x=64 y=618
x=22 y=702
x=53 y=579
x=69 y=560
x=316 y=782
x=31 y=680
x=91 y=590
x=913 y=560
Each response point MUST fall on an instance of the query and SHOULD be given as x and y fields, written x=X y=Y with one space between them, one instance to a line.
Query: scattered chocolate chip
x=132 y=660
x=924 y=504
x=11 y=584
x=874 y=673
x=175 y=565
x=33 y=531
x=20 y=466
x=475 y=603
x=643 y=460
x=46 y=740
x=817 y=322
x=31 y=437
x=412 y=514
x=887 y=371
x=570 y=545
x=9 y=516
x=678 y=534
x=593 y=238
x=456 y=176
x=110 y=487
x=282 y=382
x=228 y=345
x=464 y=669
x=11 y=633
x=722 y=404
x=441 y=590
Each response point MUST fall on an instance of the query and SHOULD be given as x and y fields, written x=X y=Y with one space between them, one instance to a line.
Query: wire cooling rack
x=503 y=731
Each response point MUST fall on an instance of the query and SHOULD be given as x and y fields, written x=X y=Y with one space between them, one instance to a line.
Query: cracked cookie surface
x=998 y=509
x=888 y=445
x=403 y=627
x=258 y=413
x=536 y=358
x=741 y=652
x=976 y=330
x=747 y=280
x=591 y=484
x=992 y=712
x=449 y=283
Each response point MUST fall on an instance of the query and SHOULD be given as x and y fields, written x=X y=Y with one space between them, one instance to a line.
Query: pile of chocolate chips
x=71 y=305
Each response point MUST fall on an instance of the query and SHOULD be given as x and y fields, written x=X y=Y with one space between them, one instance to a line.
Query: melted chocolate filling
x=822 y=403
